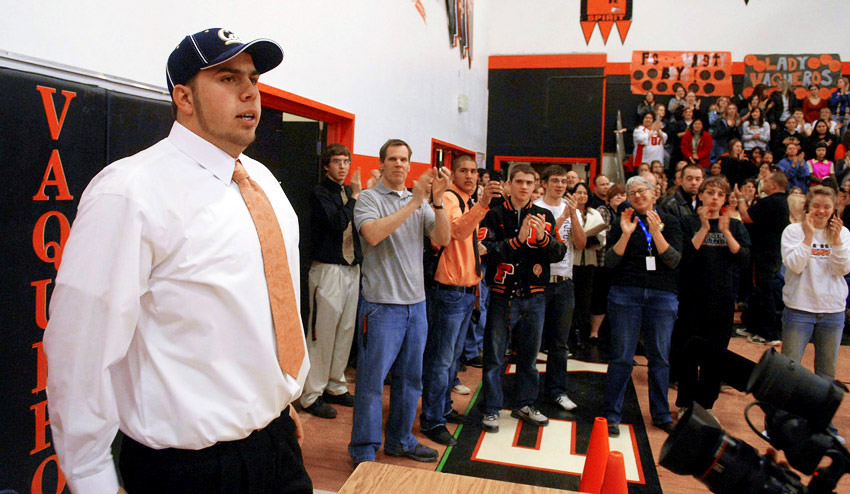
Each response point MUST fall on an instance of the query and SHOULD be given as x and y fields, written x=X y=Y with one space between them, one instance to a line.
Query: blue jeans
x=523 y=315
x=389 y=337
x=797 y=329
x=475 y=332
x=450 y=312
x=632 y=310
x=560 y=300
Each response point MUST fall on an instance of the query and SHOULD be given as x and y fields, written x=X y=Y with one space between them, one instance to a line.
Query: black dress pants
x=267 y=461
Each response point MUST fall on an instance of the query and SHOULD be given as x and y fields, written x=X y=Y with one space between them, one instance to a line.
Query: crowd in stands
x=710 y=223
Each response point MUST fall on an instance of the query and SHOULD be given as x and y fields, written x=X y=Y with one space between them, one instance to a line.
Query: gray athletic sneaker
x=530 y=415
x=565 y=402
x=490 y=422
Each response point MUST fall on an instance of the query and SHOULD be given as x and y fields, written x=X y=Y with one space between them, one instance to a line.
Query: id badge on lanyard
x=650 y=259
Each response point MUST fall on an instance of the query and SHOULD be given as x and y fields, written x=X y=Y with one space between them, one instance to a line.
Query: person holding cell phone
x=816 y=255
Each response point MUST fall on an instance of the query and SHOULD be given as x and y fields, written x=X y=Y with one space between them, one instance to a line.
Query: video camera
x=798 y=407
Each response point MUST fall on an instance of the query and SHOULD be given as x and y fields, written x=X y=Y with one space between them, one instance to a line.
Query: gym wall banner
x=606 y=13
x=707 y=73
x=460 y=26
x=51 y=145
x=56 y=136
x=800 y=70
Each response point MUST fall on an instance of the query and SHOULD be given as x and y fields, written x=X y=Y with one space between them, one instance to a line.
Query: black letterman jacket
x=516 y=268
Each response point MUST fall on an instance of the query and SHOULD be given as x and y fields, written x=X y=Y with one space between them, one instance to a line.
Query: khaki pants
x=333 y=292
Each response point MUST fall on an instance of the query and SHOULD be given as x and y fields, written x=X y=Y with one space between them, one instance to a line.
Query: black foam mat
x=538 y=462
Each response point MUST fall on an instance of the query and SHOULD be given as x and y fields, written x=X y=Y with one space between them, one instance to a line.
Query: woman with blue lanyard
x=643 y=256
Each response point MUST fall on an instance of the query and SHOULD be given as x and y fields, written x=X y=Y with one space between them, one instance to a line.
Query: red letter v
x=50 y=111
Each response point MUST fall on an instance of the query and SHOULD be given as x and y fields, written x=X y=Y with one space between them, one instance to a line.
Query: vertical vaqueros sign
x=52 y=142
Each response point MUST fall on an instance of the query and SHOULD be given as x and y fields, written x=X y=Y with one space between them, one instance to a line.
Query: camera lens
x=787 y=385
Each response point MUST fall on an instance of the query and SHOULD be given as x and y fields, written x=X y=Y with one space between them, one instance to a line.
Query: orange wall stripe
x=618 y=68
x=340 y=123
x=572 y=61
x=454 y=147
x=307 y=105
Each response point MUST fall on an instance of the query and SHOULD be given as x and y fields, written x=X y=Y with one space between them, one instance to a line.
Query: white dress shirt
x=160 y=322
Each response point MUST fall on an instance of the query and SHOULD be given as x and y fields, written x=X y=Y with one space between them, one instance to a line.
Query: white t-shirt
x=564 y=267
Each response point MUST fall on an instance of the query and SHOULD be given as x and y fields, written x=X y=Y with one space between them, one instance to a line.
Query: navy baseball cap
x=214 y=46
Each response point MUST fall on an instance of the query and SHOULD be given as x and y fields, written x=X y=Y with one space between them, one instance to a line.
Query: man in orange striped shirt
x=452 y=297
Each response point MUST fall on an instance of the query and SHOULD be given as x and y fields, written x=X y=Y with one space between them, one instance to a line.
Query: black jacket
x=329 y=218
x=678 y=205
x=515 y=268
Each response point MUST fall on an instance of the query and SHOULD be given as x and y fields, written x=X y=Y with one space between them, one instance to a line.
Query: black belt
x=455 y=288
x=558 y=279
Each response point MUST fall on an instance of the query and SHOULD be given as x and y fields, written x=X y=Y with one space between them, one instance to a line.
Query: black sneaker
x=419 y=453
x=666 y=427
x=477 y=361
x=321 y=409
x=454 y=417
x=346 y=399
x=440 y=435
x=613 y=429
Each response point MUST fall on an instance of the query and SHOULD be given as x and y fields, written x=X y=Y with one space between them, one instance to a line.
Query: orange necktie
x=290 y=348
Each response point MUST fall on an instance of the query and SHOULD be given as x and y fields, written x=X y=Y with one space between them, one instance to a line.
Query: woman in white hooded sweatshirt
x=816 y=254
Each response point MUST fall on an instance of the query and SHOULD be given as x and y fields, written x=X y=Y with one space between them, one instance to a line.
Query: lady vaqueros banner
x=799 y=70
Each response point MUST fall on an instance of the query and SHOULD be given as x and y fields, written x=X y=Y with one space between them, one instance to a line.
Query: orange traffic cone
x=596 y=459
x=615 y=475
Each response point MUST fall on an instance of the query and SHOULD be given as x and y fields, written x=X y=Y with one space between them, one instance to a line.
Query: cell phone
x=439 y=159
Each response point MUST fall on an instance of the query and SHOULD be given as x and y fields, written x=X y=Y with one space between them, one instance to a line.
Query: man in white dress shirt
x=160 y=322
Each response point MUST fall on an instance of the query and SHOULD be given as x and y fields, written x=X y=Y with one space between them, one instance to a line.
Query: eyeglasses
x=638 y=192
x=340 y=162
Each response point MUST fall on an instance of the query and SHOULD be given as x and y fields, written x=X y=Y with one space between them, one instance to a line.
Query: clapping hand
x=724 y=220
x=441 y=182
x=538 y=223
x=655 y=224
x=422 y=187
x=628 y=221
x=835 y=225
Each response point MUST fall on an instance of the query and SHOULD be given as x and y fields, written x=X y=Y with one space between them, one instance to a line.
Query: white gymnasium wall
x=763 y=26
x=374 y=58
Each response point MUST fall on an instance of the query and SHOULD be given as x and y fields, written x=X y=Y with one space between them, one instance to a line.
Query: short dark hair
x=717 y=181
x=580 y=184
x=692 y=166
x=482 y=171
x=779 y=179
x=460 y=159
x=553 y=171
x=382 y=154
x=520 y=168
x=331 y=151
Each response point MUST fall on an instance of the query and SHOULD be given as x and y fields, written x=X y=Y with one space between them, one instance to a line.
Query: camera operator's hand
x=773 y=454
